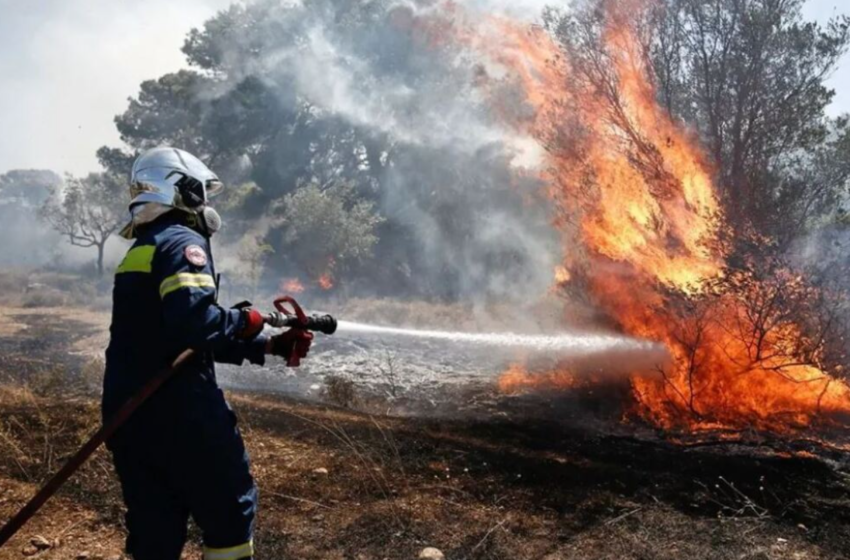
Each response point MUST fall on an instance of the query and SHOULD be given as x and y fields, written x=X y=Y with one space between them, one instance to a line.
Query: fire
x=517 y=380
x=291 y=286
x=645 y=236
x=325 y=281
x=562 y=275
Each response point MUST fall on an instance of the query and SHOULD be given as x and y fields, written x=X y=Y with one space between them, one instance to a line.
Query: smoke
x=21 y=195
x=460 y=181
x=68 y=66
x=459 y=185
x=28 y=241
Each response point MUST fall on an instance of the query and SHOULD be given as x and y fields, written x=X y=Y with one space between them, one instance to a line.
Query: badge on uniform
x=196 y=255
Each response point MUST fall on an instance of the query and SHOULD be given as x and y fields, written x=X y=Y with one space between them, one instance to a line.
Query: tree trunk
x=100 y=247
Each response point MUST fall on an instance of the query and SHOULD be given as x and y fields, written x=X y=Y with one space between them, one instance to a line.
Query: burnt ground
x=340 y=484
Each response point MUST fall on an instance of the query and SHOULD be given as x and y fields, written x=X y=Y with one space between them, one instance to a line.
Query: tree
x=116 y=161
x=750 y=75
x=329 y=91
x=22 y=194
x=88 y=211
x=28 y=187
x=325 y=230
x=167 y=112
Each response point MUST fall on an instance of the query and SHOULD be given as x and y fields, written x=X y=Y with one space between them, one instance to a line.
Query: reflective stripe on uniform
x=138 y=259
x=233 y=553
x=185 y=280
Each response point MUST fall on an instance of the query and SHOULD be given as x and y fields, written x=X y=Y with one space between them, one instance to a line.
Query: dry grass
x=39 y=289
x=338 y=484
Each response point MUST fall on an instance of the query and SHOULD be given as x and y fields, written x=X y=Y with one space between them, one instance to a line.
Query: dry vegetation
x=38 y=289
x=339 y=484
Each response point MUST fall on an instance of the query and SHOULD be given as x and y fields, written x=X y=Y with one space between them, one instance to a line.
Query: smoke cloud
x=461 y=180
x=488 y=233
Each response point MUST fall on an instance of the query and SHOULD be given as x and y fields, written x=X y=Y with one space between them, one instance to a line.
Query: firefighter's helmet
x=166 y=178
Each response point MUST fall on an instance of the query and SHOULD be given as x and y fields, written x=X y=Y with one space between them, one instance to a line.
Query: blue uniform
x=181 y=454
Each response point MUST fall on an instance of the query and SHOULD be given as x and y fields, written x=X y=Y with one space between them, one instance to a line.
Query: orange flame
x=562 y=275
x=325 y=281
x=291 y=286
x=648 y=222
x=517 y=380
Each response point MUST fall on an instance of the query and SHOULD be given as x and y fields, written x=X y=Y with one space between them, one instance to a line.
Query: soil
x=523 y=477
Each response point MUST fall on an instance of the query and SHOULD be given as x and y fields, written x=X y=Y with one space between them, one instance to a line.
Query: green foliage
x=238 y=104
x=275 y=98
x=751 y=77
x=234 y=197
x=324 y=229
x=166 y=113
x=116 y=161
x=22 y=193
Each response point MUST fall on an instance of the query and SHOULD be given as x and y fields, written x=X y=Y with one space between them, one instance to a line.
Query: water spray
x=567 y=343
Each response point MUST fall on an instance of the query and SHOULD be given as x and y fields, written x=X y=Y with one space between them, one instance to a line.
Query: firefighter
x=181 y=454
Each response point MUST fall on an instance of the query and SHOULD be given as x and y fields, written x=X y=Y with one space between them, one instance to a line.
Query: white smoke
x=81 y=60
x=425 y=98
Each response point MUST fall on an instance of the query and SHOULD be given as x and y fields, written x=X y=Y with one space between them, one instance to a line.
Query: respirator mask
x=193 y=194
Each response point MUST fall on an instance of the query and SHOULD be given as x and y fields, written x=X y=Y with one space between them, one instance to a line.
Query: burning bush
x=761 y=347
x=650 y=241
x=327 y=229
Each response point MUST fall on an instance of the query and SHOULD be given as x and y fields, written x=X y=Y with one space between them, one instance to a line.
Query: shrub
x=46 y=297
x=340 y=391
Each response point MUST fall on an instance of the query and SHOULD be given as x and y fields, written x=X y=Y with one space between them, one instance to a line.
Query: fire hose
x=285 y=318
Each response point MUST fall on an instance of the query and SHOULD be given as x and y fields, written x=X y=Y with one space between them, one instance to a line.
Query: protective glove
x=292 y=345
x=252 y=323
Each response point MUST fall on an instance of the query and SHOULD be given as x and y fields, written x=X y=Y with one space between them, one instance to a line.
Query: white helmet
x=167 y=178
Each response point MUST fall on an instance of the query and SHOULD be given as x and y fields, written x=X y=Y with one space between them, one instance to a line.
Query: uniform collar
x=175 y=217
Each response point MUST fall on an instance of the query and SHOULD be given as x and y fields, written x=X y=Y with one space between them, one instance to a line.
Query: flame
x=325 y=281
x=645 y=233
x=518 y=380
x=562 y=275
x=291 y=286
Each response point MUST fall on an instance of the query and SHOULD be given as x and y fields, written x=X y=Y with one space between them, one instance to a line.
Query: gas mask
x=193 y=196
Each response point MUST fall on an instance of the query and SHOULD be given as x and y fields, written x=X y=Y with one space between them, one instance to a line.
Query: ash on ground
x=408 y=376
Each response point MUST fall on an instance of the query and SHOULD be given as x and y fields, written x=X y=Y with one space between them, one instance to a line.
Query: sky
x=67 y=68
x=822 y=11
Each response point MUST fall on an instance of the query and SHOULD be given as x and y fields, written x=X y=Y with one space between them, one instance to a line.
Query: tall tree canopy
x=333 y=91
x=281 y=95
x=750 y=77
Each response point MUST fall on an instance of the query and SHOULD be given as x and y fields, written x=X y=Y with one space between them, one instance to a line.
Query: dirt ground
x=341 y=484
